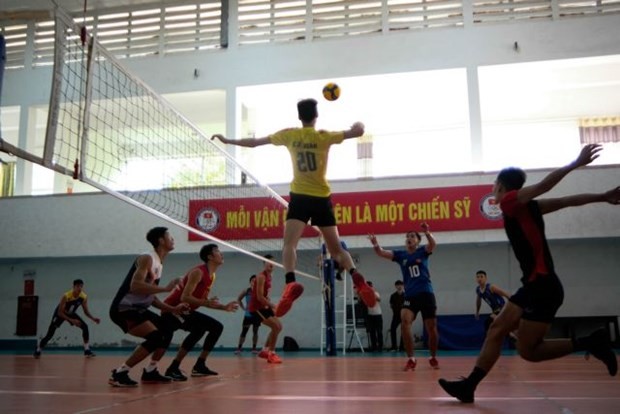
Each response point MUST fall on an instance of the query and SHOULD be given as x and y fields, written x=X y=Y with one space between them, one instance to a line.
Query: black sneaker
x=37 y=354
x=461 y=389
x=176 y=374
x=154 y=377
x=600 y=348
x=121 y=379
x=88 y=353
x=202 y=371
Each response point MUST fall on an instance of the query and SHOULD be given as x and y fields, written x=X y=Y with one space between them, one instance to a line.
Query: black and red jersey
x=525 y=229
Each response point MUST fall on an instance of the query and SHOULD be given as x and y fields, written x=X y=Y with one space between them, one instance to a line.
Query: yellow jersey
x=309 y=151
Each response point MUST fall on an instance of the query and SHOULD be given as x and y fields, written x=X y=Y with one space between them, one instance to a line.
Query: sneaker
x=88 y=353
x=263 y=354
x=273 y=358
x=176 y=374
x=291 y=292
x=238 y=351
x=202 y=371
x=410 y=365
x=365 y=292
x=433 y=362
x=36 y=354
x=255 y=351
x=154 y=377
x=121 y=379
x=600 y=348
x=462 y=389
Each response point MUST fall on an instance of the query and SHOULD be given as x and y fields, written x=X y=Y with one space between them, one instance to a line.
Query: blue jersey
x=414 y=268
x=248 y=296
x=495 y=301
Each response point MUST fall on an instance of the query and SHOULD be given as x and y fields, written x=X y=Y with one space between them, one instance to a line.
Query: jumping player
x=533 y=307
x=130 y=310
x=310 y=196
x=194 y=290
x=66 y=311
x=419 y=295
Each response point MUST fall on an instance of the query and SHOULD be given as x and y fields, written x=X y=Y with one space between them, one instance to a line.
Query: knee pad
x=154 y=340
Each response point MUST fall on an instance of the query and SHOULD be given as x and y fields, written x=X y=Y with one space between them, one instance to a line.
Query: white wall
x=95 y=236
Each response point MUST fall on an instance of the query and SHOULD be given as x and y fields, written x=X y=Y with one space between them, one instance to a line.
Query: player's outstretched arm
x=244 y=142
x=431 y=243
x=588 y=154
x=386 y=254
x=553 y=204
x=356 y=130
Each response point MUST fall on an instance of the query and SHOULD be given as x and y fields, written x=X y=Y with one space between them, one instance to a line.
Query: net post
x=329 y=301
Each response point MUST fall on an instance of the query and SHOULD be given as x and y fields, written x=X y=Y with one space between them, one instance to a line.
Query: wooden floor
x=68 y=383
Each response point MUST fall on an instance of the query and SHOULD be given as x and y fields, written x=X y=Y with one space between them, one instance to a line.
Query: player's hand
x=613 y=196
x=232 y=306
x=181 y=309
x=477 y=316
x=425 y=227
x=76 y=322
x=373 y=239
x=96 y=320
x=221 y=137
x=588 y=154
x=172 y=284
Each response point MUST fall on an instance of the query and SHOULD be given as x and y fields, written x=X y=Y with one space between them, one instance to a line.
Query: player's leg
x=88 y=353
x=293 y=229
x=245 y=327
x=275 y=326
x=428 y=308
x=201 y=323
x=505 y=322
x=255 y=327
x=407 y=317
x=54 y=324
x=139 y=324
x=338 y=253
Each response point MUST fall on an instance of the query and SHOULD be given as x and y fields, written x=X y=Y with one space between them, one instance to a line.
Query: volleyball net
x=109 y=129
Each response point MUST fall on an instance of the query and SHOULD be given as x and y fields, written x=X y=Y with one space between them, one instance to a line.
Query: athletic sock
x=152 y=366
x=477 y=375
x=289 y=277
x=123 y=368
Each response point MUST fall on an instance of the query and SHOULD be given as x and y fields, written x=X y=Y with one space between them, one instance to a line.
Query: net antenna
x=109 y=129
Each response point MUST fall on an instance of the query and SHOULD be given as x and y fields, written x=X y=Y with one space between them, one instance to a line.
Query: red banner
x=377 y=212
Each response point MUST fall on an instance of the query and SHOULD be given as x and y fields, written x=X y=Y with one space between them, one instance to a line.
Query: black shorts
x=251 y=320
x=130 y=318
x=316 y=210
x=422 y=302
x=262 y=314
x=540 y=299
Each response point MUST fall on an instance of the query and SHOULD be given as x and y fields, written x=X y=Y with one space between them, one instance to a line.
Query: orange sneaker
x=365 y=292
x=434 y=363
x=263 y=354
x=273 y=358
x=411 y=364
x=291 y=292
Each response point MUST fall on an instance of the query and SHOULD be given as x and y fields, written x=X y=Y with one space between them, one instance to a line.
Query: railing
x=178 y=27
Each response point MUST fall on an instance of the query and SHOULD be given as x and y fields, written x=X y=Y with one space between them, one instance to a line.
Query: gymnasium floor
x=306 y=383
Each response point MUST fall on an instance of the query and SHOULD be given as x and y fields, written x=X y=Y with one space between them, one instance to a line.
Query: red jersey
x=254 y=304
x=200 y=292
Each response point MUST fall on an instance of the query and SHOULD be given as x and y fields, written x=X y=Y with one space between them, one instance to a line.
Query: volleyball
x=331 y=91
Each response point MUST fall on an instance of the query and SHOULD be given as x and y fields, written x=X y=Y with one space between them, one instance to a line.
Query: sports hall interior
x=500 y=83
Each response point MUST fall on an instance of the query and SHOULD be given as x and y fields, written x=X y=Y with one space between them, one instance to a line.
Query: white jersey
x=126 y=300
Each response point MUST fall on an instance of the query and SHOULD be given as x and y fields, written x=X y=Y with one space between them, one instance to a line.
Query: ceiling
x=27 y=9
